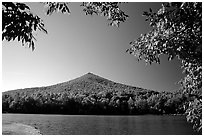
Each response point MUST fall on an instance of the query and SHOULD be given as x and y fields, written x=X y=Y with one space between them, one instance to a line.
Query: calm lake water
x=103 y=125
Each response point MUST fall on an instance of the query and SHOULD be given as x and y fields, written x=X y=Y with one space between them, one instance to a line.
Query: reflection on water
x=103 y=125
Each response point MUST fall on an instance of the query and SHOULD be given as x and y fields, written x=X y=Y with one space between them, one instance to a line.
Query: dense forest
x=93 y=95
x=101 y=103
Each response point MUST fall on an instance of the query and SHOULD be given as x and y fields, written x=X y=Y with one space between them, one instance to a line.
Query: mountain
x=94 y=95
x=88 y=83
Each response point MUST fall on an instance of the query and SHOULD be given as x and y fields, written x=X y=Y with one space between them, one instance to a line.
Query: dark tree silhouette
x=19 y=23
x=177 y=32
x=56 y=7
x=110 y=10
x=92 y=102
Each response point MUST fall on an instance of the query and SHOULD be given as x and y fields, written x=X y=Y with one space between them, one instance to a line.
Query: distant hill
x=88 y=83
x=91 y=94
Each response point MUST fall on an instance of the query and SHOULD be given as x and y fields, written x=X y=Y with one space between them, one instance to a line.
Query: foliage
x=19 y=23
x=194 y=114
x=109 y=9
x=91 y=103
x=56 y=6
x=176 y=32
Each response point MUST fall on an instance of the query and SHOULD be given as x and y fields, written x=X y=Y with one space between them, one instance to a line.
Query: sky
x=77 y=44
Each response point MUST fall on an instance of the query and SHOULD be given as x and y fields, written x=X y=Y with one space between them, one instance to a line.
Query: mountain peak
x=87 y=82
x=89 y=73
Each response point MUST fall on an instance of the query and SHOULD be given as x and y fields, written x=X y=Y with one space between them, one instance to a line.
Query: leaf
x=63 y=9
x=22 y=7
x=67 y=9
x=32 y=46
x=27 y=7
x=19 y=37
x=48 y=12
x=57 y=5
x=42 y=28
x=35 y=26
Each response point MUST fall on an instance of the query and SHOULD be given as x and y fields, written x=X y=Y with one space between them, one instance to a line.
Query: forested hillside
x=92 y=94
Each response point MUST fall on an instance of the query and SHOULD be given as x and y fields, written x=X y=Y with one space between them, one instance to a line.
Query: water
x=103 y=125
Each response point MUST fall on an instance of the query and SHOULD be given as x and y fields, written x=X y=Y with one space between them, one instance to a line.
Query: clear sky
x=77 y=44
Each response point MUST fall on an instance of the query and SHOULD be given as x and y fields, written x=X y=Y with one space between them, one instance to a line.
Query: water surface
x=103 y=125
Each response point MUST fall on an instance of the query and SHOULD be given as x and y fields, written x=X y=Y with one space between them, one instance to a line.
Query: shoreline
x=98 y=114
x=19 y=129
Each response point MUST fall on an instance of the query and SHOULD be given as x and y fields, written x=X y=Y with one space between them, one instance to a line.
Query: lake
x=103 y=125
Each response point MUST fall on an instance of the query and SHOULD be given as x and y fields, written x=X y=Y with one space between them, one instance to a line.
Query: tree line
x=105 y=103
